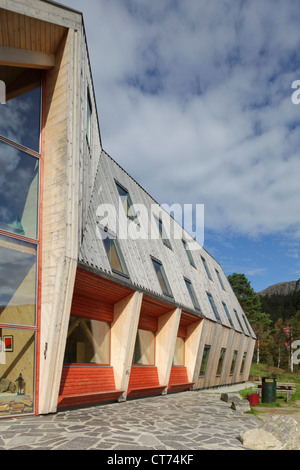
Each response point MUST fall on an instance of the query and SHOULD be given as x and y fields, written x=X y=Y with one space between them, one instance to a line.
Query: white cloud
x=194 y=100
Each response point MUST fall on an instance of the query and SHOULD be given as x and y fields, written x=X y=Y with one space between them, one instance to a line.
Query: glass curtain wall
x=20 y=128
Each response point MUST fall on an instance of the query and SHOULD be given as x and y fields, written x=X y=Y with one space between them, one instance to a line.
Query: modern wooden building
x=93 y=307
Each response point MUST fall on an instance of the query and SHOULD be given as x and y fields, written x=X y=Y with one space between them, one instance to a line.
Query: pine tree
x=251 y=305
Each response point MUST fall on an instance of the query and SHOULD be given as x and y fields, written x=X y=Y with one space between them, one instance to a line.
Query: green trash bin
x=268 y=390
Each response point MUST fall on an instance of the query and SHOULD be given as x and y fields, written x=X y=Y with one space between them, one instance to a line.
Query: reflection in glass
x=20 y=117
x=88 y=341
x=19 y=181
x=178 y=359
x=162 y=278
x=18 y=274
x=17 y=352
x=204 y=360
x=221 y=359
x=144 y=349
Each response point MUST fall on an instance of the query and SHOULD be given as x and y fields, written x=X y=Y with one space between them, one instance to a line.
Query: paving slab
x=191 y=420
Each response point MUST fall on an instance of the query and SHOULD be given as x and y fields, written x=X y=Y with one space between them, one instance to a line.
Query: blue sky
x=194 y=101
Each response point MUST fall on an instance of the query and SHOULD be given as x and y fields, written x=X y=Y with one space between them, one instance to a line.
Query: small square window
x=162 y=278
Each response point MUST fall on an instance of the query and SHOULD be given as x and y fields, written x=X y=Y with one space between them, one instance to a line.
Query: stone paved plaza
x=183 y=421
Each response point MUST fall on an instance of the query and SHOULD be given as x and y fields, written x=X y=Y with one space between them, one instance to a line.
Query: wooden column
x=192 y=345
x=123 y=336
x=165 y=344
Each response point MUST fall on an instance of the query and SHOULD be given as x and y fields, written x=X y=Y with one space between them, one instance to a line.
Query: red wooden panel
x=89 y=307
x=82 y=385
x=179 y=379
x=148 y=322
x=144 y=381
x=182 y=331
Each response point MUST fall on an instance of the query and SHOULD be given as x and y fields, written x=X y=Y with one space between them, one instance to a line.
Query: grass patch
x=262 y=370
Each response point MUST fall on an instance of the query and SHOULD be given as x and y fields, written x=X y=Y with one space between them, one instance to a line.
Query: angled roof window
x=220 y=279
x=227 y=313
x=162 y=278
x=162 y=232
x=192 y=294
x=126 y=201
x=214 y=308
x=206 y=268
x=115 y=256
x=189 y=254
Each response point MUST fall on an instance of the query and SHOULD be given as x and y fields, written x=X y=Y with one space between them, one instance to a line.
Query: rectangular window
x=18 y=280
x=144 y=349
x=17 y=364
x=20 y=117
x=214 y=308
x=238 y=319
x=178 y=359
x=205 y=356
x=243 y=362
x=206 y=268
x=234 y=357
x=162 y=232
x=88 y=118
x=220 y=280
x=189 y=254
x=227 y=313
x=192 y=294
x=115 y=256
x=162 y=278
x=126 y=202
x=221 y=360
x=247 y=324
x=88 y=341
x=19 y=191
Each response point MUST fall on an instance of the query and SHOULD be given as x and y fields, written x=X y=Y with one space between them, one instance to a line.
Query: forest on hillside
x=275 y=320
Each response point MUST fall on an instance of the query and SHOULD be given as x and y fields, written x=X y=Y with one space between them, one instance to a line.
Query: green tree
x=251 y=305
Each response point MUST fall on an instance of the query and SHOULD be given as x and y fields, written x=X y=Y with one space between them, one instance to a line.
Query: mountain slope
x=282 y=288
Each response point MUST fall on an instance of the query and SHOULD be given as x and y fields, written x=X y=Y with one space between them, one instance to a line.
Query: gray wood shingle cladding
x=138 y=253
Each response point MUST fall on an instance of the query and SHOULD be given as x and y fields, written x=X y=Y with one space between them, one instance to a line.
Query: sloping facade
x=99 y=300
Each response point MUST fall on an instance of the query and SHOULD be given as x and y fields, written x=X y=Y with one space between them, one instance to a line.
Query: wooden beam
x=26 y=58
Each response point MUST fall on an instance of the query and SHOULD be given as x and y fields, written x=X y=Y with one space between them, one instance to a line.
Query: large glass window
x=20 y=117
x=17 y=349
x=178 y=359
x=204 y=362
x=144 y=350
x=19 y=187
x=162 y=278
x=88 y=341
x=18 y=278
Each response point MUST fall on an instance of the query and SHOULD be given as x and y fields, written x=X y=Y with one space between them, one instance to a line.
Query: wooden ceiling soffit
x=28 y=42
